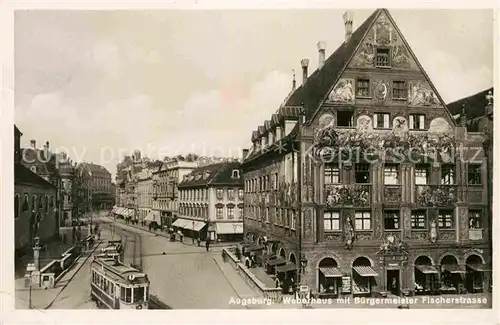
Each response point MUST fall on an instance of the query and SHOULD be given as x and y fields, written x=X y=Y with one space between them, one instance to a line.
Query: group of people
x=180 y=235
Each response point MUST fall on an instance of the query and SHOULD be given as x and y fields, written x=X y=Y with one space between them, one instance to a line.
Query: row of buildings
x=51 y=191
x=201 y=197
x=364 y=181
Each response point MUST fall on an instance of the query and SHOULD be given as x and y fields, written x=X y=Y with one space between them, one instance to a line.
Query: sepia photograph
x=253 y=159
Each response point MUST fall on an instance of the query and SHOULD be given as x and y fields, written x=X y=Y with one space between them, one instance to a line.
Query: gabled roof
x=474 y=104
x=24 y=176
x=312 y=93
x=220 y=174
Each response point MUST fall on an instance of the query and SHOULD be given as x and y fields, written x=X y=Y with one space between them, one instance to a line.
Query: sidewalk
x=187 y=240
x=235 y=280
x=43 y=298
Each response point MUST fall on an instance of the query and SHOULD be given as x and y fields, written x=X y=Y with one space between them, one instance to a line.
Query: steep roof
x=474 y=104
x=312 y=93
x=23 y=175
x=218 y=174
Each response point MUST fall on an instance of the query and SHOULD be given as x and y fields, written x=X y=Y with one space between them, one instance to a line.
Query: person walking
x=207 y=244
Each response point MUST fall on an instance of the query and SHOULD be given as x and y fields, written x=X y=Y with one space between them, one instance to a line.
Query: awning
x=118 y=210
x=365 y=271
x=453 y=268
x=276 y=261
x=427 y=269
x=229 y=228
x=331 y=272
x=198 y=225
x=479 y=267
x=153 y=216
x=289 y=266
x=128 y=213
x=180 y=223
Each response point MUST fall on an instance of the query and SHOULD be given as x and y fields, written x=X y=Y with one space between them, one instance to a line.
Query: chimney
x=245 y=153
x=321 y=50
x=294 y=83
x=46 y=149
x=304 y=63
x=33 y=144
x=348 y=25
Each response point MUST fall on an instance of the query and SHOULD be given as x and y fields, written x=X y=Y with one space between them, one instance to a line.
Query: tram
x=117 y=286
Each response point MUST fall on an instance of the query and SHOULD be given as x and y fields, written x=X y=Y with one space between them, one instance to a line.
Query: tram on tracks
x=115 y=285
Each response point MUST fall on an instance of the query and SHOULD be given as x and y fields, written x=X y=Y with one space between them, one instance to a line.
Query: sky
x=100 y=84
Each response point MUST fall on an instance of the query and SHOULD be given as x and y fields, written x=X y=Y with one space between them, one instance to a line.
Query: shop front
x=229 y=231
x=329 y=278
x=153 y=219
x=476 y=276
x=425 y=276
x=452 y=276
x=363 y=277
x=190 y=228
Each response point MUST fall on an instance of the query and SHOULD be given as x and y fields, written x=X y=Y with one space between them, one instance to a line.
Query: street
x=183 y=276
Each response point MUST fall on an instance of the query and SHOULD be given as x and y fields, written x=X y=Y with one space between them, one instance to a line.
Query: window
x=220 y=193
x=46 y=204
x=139 y=294
x=363 y=220
x=382 y=58
x=268 y=184
x=474 y=174
x=266 y=215
x=240 y=213
x=128 y=294
x=418 y=219
x=16 y=206
x=275 y=181
x=345 y=118
x=33 y=203
x=292 y=219
x=236 y=173
x=230 y=193
x=240 y=194
x=391 y=174
x=445 y=219
x=363 y=88
x=417 y=122
x=230 y=213
x=362 y=173
x=219 y=214
x=475 y=220
x=421 y=175
x=381 y=120
x=447 y=174
x=331 y=221
x=332 y=174
x=399 y=89
x=391 y=219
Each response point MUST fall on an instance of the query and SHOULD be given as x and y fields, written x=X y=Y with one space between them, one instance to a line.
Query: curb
x=227 y=279
x=74 y=274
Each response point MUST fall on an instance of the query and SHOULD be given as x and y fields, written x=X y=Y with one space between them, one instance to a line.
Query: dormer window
x=278 y=133
x=271 y=138
x=206 y=175
x=236 y=173
x=198 y=176
x=33 y=169
x=382 y=58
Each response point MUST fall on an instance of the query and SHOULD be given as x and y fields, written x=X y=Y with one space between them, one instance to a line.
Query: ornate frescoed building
x=363 y=182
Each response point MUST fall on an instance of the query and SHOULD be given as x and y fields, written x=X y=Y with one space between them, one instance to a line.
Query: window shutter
x=386 y=120
x=412 y=122
x=422 y=121
x=375 y=120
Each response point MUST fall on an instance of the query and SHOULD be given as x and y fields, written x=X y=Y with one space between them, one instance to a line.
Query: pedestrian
x=223 y=256
x=99 y=235
x=207 y=244
x=199 y=241
x=181 y=235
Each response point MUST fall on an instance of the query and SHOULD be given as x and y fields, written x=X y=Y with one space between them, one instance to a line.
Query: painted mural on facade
x=420 y=94
x=383 y=33
x=343 y=91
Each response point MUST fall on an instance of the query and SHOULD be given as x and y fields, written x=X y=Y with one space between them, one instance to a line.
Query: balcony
x=355 y=195
x=435 y=195
x=392 y=194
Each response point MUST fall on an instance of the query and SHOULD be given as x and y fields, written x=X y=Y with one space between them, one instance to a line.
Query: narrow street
x=183 y=276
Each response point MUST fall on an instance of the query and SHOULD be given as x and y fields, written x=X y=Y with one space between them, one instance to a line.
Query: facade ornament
x=392 y=245
x=349 y=233
x=433 y=231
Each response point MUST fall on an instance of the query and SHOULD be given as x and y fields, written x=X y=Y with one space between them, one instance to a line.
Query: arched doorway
x=292 y=259
x=452 y=275
x=425 y=276
x=474 y=277
x=362 y=276
x=329 y=277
